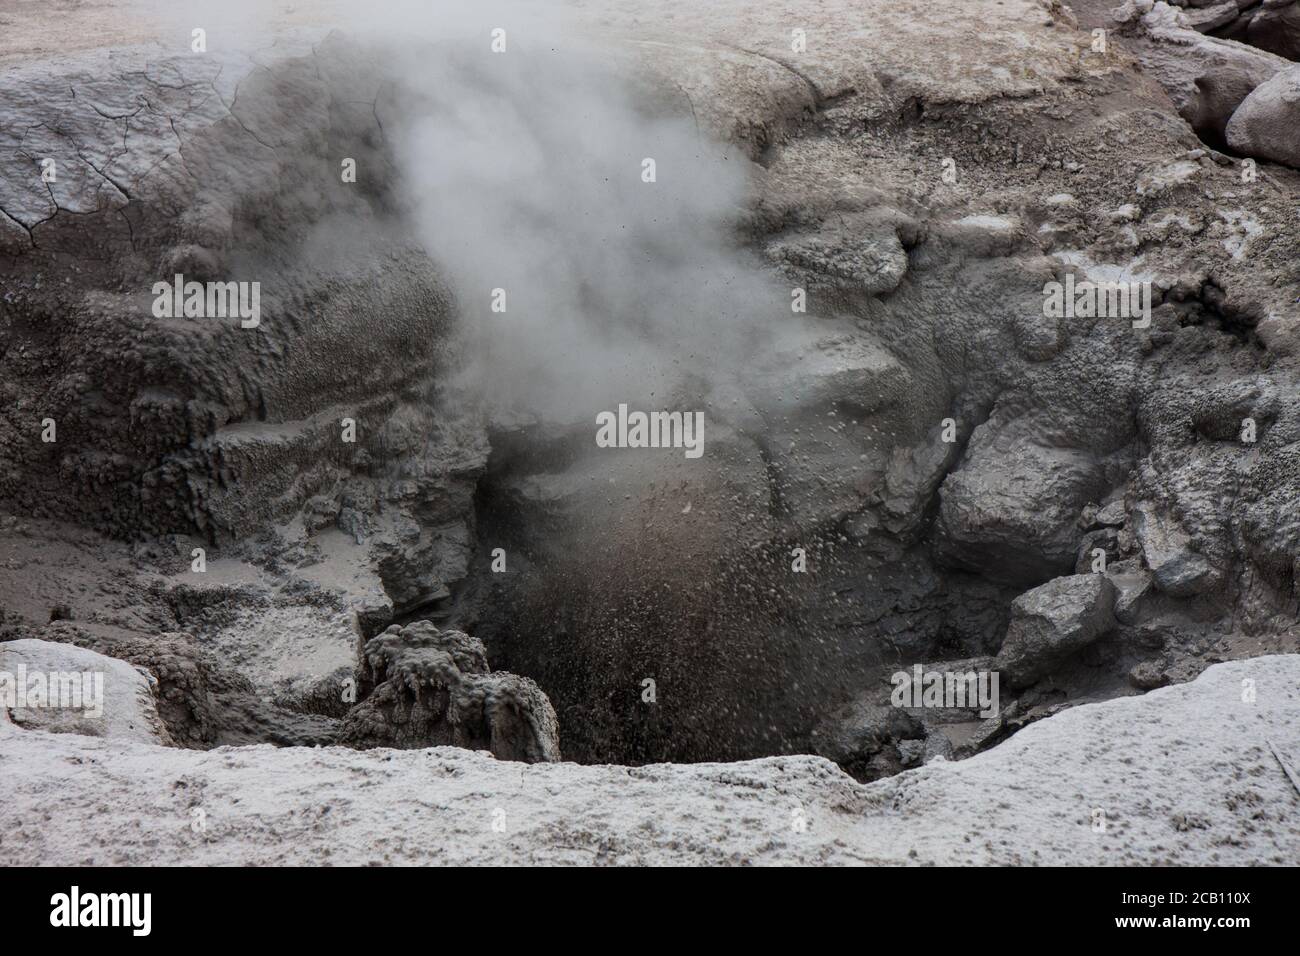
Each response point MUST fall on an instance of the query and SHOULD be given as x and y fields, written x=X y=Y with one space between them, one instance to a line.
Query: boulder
x=62 y=689
x=1105 y=540
x=1010 y=510
x=1112 y=515
x=1205 y=77
x=1275 y=26
x=1207 y=17
x=1132 y=589
x=1177 y=569
x=1267 y=123
x=1053 y=621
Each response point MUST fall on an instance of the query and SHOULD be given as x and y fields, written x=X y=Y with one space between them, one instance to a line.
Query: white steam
x=525 y=172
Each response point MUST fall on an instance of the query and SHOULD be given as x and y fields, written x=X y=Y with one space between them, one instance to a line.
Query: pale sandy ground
x=1182 y=775
x=38 y=29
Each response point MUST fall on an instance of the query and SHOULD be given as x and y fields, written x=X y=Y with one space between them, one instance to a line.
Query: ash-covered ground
x=807 y=432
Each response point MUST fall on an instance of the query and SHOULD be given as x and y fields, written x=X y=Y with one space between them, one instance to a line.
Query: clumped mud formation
x=374 y=511
x=434 y=687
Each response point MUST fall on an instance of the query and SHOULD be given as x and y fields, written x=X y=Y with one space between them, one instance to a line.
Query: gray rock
x=1177 y=569
x=989 y=731
x=1010 y=509
x=911 y=753
x=937 y=746
x=1148 y=675
x=1104 y=539
x=1132 y=588
x=861 y=730
x=1275 y=26
x=1053 y=621
x=1267 y=123
x=1206 y=77
x=80 y=692
x=1207 y=17
x=1112 y=515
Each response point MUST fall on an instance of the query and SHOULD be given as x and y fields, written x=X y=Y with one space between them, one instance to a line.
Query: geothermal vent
x=814 y=432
